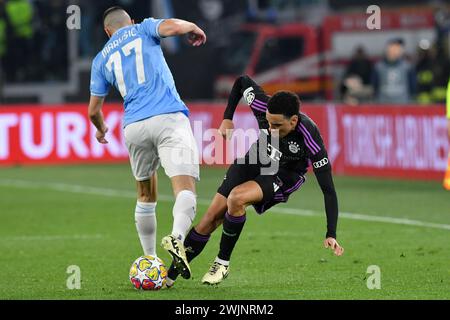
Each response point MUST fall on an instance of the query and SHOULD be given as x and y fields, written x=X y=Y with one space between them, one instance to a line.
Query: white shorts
x=165 y=139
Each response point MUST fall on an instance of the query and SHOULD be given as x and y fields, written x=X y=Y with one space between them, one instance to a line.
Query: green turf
x=48 y=222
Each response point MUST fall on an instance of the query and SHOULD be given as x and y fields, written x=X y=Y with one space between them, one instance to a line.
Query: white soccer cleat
x=176 y=249
x=216 y=273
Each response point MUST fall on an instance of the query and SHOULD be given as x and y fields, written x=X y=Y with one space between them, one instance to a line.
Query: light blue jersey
x=133 y=62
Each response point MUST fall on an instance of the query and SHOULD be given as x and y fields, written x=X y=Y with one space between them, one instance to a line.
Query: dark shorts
x=276 y=188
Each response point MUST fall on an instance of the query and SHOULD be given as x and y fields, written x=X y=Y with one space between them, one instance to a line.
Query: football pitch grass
x=55 y=217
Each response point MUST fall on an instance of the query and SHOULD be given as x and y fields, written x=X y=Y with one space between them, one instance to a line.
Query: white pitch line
x=89 y=190
x=363 y=217
x=54 y=237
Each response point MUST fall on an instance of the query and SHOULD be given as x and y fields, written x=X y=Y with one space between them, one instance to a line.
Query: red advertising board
x=407 y=142
x=57 y=134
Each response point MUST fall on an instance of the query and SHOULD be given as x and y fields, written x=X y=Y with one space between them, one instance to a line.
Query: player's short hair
x=285 y=103
x=110 y=10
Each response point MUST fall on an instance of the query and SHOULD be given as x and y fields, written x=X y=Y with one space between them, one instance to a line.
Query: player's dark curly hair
x=285 y=103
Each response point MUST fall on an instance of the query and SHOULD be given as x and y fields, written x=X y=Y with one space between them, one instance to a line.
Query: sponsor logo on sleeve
x=320 y=163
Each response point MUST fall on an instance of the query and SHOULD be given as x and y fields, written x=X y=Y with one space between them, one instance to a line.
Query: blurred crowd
x=34 y=45
x=397 y=78
x=34 y=37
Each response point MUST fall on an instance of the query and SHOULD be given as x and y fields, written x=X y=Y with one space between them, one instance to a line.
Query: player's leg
x=198 y=236
x=184 y=209
x=145 y=214
x=214 y=216
x=183 y=215
x=179 y=157
x=144 y=163
x=240 y=197
x=263 y=192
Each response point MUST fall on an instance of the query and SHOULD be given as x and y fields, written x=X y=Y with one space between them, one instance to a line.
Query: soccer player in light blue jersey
x=156 y=125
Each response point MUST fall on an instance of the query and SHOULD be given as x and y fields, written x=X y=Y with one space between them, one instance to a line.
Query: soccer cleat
x=216 y=273
x=176 y=249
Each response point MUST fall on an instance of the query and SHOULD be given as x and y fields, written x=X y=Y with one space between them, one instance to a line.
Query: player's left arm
x=99 y=88
x=325 y=180
x=322 y=170
x=96 y=117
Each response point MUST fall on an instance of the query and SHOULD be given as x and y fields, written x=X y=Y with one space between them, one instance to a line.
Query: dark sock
x=232 y=227
x=194 y=244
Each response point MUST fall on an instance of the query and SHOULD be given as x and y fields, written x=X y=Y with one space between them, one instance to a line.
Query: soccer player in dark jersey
x=260 y=183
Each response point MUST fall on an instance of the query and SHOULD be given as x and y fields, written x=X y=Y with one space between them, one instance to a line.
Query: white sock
x=145 y=218
x=183 y=213
x=222 y=262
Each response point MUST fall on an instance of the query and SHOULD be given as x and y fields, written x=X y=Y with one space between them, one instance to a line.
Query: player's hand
x=226 y=129
x=196 y=37
x=100 y=135
x=334 y=245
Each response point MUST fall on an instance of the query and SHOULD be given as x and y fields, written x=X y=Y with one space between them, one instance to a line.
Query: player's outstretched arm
x=325 y=180
x=178 y=27
x=96 y=116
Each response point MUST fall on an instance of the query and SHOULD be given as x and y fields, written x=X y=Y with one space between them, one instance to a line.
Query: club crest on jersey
x=249 y=95
x=293 y=146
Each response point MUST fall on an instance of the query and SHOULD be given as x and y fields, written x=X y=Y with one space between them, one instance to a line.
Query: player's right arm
x=255 y=97
x=99 y=90
x=323 y=172
x=96 y=117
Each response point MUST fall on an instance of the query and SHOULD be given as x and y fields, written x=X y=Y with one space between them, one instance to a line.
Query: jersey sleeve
x=322 y=170
x=325 y=180
x=99 y=85
x=317 y=152
x=254 y=96
x=150 y=27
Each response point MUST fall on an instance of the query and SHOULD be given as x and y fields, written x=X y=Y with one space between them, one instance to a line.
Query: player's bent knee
x=235 y=200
